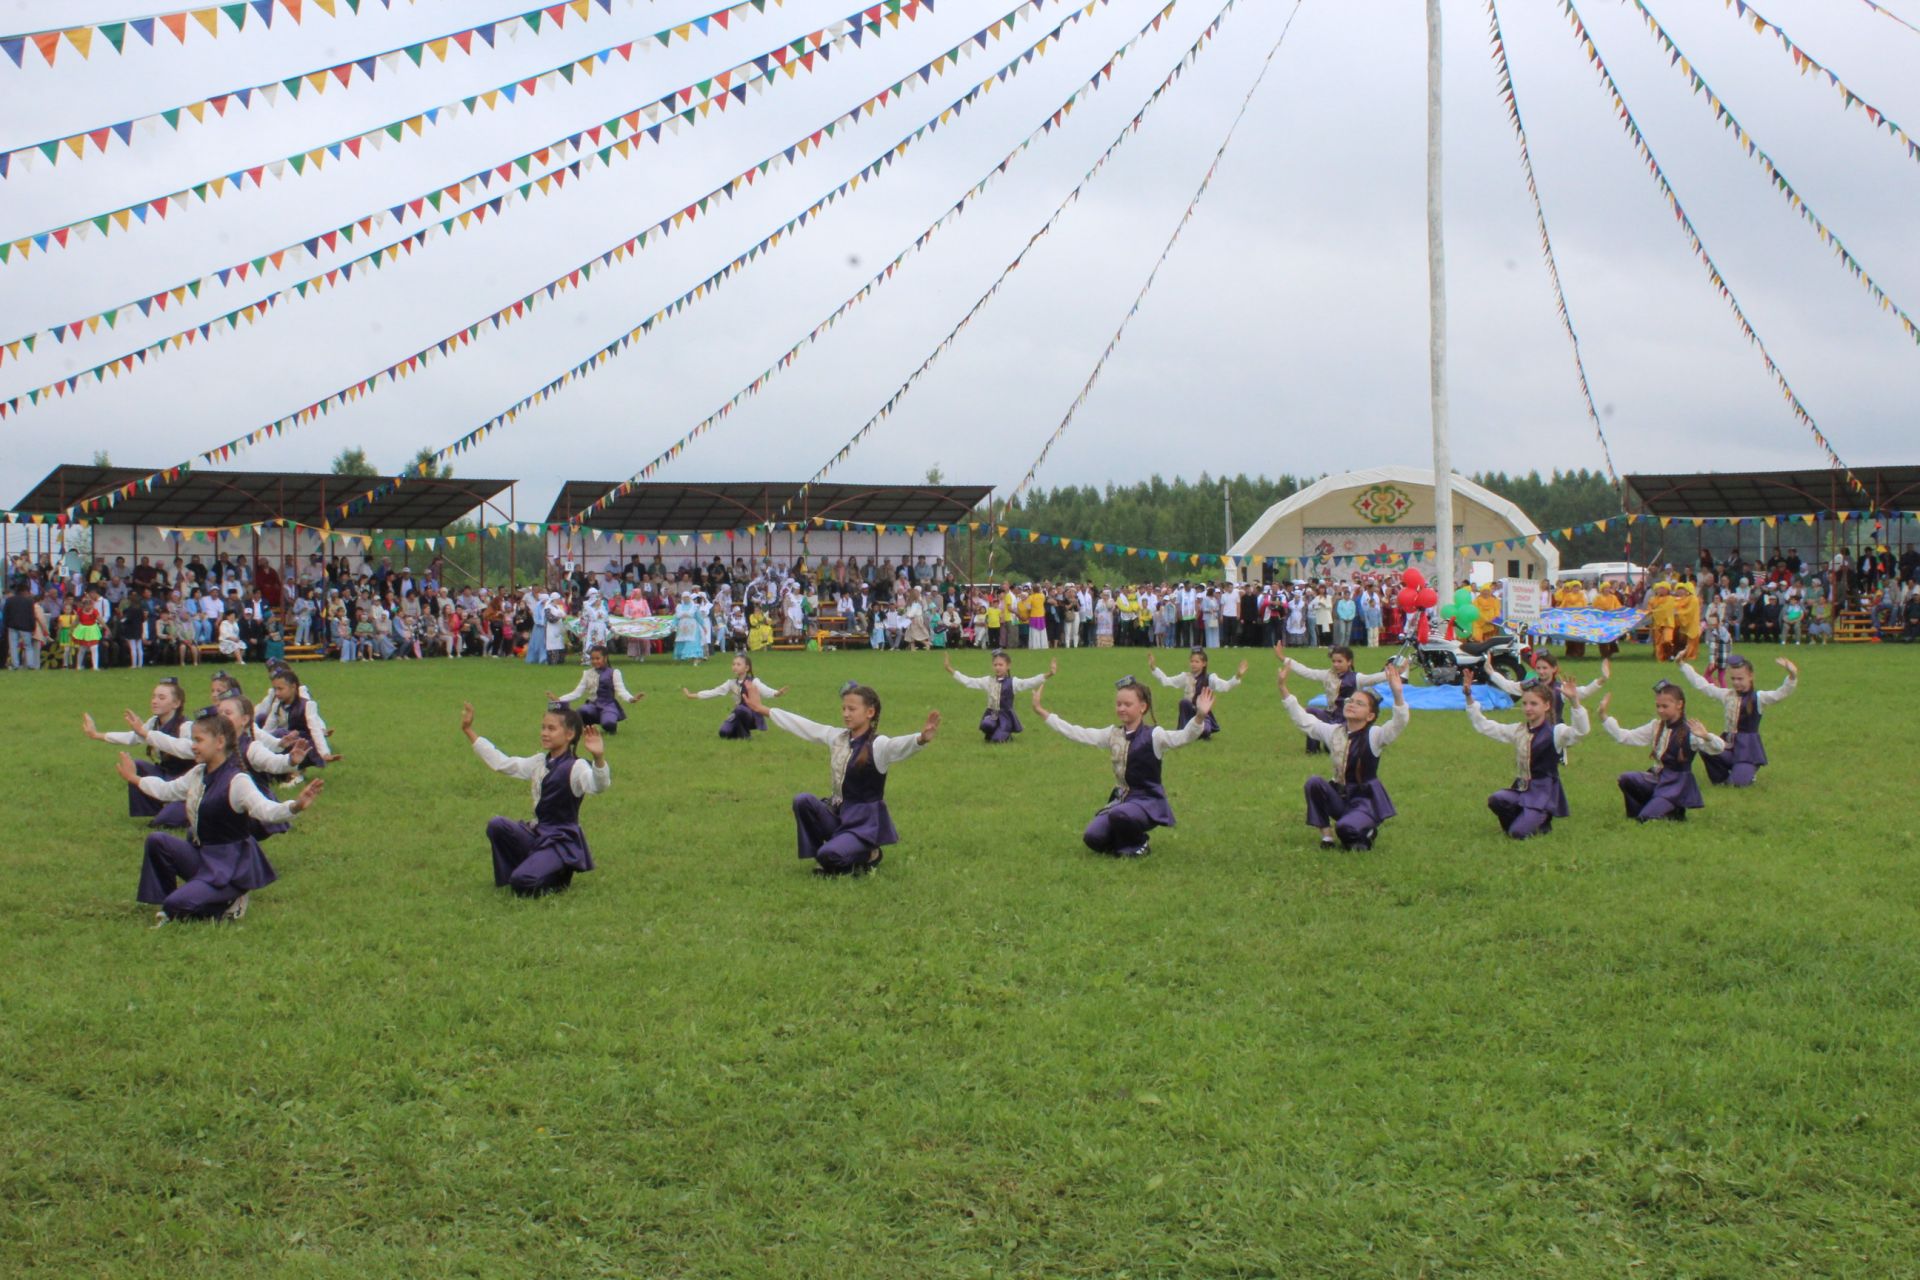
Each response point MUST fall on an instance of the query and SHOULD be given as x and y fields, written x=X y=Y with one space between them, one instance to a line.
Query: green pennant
x=51 y=150
x=200 y=192
x=532 y=19
x=524 y=163
x=6 y=251
x=194 y=288
x=298 y=162
x=110 y=316
x=102 y=222
x=414 y=51
x=605 y=154
x=434 y=200
x=116 y=34
x=706 y=88
x=236 y=14
x=393 y=130
x=293 y=86
x=566 y=72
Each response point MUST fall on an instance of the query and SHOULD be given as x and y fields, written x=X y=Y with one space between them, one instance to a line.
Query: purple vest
x=1749 y=719
x=864 y=783
x=740 y=691
x=1006 y=695
x=220 y=822
x=1348 y=684
x=1545 y=761
x=1363 y=766
x=558 y=806
x=1143 y=766
x=1678 y=755
x=173 y=766
x=605 y=691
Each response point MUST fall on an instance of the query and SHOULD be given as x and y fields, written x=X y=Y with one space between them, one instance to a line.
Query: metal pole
x=1437 y=318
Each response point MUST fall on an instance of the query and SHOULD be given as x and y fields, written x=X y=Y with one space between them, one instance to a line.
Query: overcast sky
x=1287 y=333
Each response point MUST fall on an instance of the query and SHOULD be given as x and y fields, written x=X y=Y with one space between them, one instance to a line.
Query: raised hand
x=1395 y=681
x=1466 y=683
x=308 y=794
x=781 y=692
x=1571 y=690
x=1203 y=703
x=298 y=751
x=1606 y=668
x=928 y=730
x=596 y=745
x=88 y=727
x=552 y=696
x=1695 y=728
x=1792 y=670
x=125 y=766
x=1280 y=678
x=1053 y=668
x=466 y=720
x=946 y=660
x=686 y=692
x=136 y=724
x=1153 y=660
x=1039 y=710
x=1242 y=671
x=1606 y=700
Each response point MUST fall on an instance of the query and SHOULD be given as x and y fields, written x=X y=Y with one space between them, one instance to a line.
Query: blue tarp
x=1442 y=698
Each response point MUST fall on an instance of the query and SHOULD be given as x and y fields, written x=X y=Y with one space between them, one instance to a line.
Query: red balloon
x=1409 y=599
x=1414 y=578
x=1428 y=597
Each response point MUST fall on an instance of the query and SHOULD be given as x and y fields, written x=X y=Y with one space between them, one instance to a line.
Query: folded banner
x=1599 y=626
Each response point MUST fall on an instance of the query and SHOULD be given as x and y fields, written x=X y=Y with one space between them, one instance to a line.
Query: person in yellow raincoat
x=759 y=632
x=1605 y=596
x=1572 y=595
x=1488 y=603
x=1662 y=606
x=1686 y=622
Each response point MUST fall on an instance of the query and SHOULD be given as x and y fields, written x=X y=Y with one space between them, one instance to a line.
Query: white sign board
x=1522 y=600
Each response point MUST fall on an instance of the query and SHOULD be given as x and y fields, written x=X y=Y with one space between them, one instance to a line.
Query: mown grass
x=1687 y=1050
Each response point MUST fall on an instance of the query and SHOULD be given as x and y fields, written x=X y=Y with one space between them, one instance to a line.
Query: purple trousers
x=821 y=838
x=519 y=866
x=1648 y=800
x=1120 y=828
x=1352 y=818
x=741 y=722
x=168 y=870
x=1188 y=711
x=1517 y=818
x=1724 y=771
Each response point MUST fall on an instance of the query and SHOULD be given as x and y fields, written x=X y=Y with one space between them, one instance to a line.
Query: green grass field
x=1670 y=1051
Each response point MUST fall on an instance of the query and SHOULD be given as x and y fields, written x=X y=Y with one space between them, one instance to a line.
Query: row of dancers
x=214 y=776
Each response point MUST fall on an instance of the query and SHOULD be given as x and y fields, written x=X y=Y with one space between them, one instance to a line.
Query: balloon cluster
x=1415 y=594
x=1462 y=609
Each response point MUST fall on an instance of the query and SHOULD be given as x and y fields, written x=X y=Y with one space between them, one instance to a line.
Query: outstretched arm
x=1768 y=697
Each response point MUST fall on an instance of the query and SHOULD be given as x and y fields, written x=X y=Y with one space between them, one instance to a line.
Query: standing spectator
x=26 y=627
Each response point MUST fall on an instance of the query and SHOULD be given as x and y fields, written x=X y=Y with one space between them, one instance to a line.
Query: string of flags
x=1511 y=98
x=592 y=148
x=954 y=109
x=360 y=71
x=1166 y=251
x=1057 y=118
x=789 y=58
x=1885 y=12
x=1687 y=228
x=575 y=277
x=179 y=23
x=1798 y=203
x=1807 y=64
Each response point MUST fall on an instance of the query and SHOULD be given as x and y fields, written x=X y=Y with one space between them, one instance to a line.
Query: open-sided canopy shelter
x=695 y=519
x=1821 y=491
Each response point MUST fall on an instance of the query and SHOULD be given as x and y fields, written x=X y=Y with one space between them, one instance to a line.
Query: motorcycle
x=1444 y=660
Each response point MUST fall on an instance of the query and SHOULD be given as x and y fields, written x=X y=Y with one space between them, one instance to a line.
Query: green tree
x=424 y=458
x=100 y=458
x=352 y=462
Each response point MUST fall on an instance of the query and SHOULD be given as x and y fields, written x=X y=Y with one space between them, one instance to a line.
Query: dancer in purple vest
x=167 y=705
x=1666 y=788
x=1547 y=674
x=847 y=831
x=537 y=857
x=1535 y=799
x=600 y=692
x=211 y=872
x=1339 y=679
x=1138 y=802
x=1350 y=806
x=1739 y=764
x=743 y=720
x=1000 y=721
x=291 y=710
x=1195 y=678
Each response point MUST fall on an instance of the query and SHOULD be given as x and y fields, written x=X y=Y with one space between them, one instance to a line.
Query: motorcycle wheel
x=1509 y=666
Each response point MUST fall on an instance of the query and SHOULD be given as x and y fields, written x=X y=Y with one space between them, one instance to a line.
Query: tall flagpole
x=1437 y=320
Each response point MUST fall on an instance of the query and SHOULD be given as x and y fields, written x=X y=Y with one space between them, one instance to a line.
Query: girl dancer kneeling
x=1138 y=803
x=1534 y=800
x=1350 y=806
x=743 y=719
x=292 y=710
x=846 y=832
x=1195 y=678
x=603 y=690
x=212 y=871
x=1340 y=681
x=1000 y=722
x=537 y=857
x=1666 y=788
x=1740 y=764
x=167 y=705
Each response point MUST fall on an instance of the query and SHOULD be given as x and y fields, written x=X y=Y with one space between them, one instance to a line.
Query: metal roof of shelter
x=699 y=508
x=222 y=499
x=1816 y=491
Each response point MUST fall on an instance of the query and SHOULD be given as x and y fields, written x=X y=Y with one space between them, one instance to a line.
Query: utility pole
x=1437 y=321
